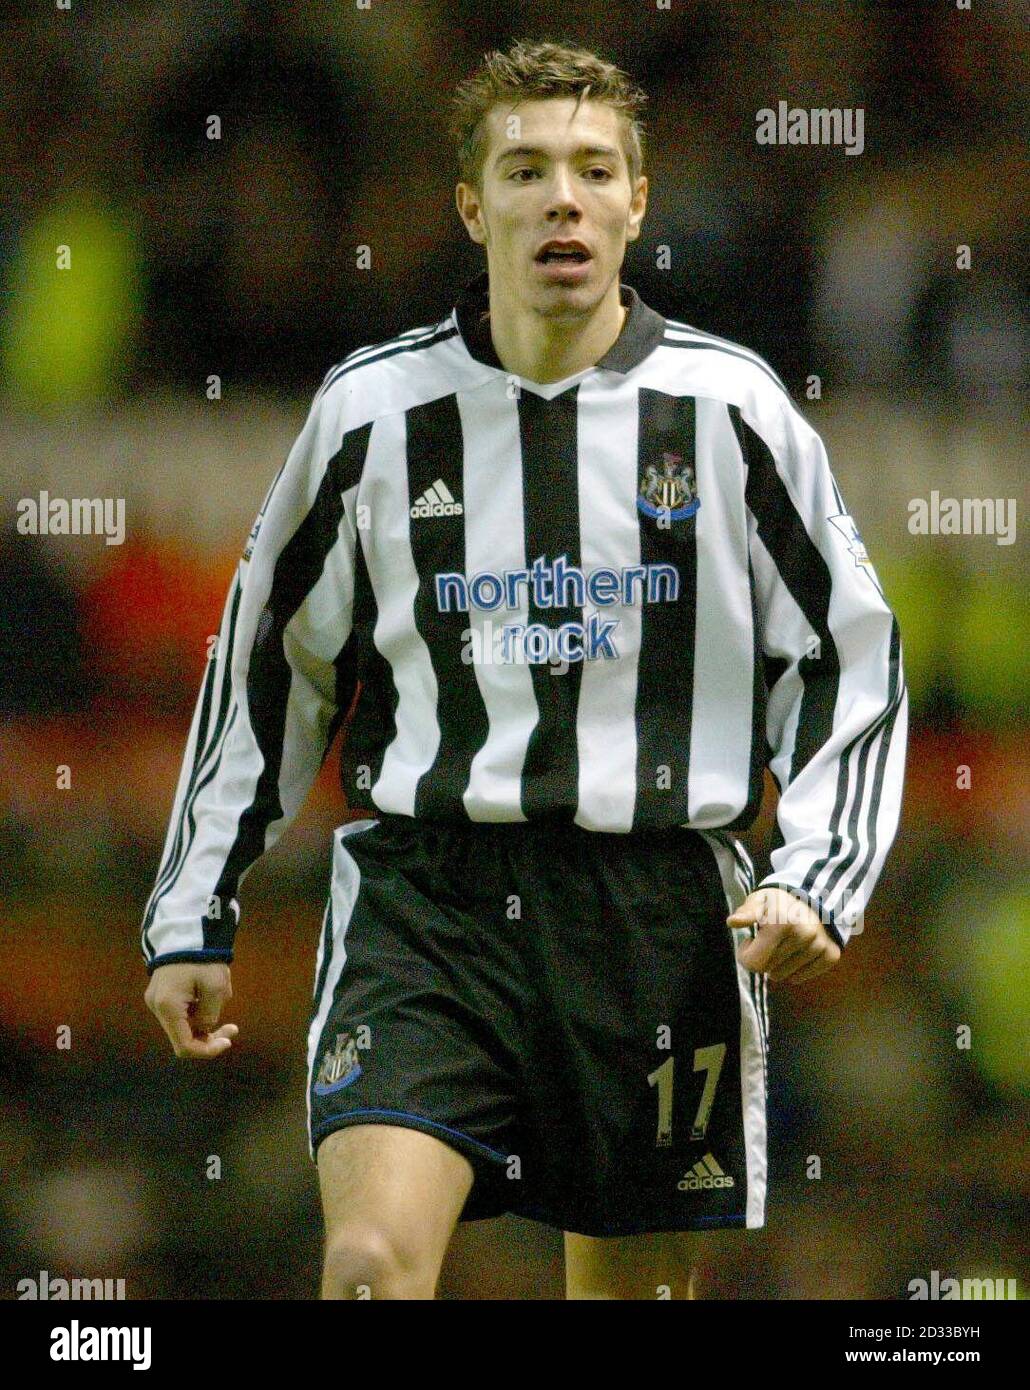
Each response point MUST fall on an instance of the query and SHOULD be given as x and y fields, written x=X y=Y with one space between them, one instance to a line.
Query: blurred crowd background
x=235 y=258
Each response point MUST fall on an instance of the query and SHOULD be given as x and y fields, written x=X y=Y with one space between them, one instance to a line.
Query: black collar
x=641 y=333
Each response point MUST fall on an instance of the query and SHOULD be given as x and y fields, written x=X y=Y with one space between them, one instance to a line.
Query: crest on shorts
x=340 y=1066
x=669 y=489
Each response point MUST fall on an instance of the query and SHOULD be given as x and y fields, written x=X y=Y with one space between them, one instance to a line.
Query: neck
x=542 y=349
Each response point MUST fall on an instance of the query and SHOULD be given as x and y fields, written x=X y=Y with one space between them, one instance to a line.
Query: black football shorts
x=562 y=1006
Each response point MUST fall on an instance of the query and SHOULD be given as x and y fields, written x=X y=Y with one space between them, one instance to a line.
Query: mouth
x=560 y=260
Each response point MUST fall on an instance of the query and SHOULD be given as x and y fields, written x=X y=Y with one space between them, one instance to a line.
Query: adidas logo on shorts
x=437 y=500
x=705 y=1174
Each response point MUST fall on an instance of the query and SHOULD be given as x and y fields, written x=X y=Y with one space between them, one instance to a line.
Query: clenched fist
x=188 y=1000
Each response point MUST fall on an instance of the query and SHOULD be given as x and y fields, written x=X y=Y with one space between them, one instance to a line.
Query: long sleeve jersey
x=611 y=600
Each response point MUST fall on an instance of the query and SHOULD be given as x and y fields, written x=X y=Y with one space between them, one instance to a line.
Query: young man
x=588 y=573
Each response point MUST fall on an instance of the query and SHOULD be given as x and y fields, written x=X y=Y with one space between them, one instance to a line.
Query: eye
x=600 y=169
x=515 y=173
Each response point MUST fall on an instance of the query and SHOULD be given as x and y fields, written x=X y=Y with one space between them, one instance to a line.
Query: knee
x=366 y=1262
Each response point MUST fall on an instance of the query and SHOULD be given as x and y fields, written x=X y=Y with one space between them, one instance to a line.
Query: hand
x=792 y=943
x=188 y=1000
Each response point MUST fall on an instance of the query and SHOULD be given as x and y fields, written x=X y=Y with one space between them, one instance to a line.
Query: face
x=557 y=174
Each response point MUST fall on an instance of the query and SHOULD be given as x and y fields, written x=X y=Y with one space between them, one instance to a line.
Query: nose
x=563 y=201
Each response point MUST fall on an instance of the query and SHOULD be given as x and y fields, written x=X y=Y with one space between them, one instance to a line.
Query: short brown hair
x=532 y=71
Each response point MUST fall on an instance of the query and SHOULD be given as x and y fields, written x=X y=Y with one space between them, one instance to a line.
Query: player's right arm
x=277 y=682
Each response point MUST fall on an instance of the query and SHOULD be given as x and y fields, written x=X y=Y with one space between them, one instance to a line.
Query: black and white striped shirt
x=610 y=600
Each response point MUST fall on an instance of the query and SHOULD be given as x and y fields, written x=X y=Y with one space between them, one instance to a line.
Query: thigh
x=657 y=1265
x=403 y=1184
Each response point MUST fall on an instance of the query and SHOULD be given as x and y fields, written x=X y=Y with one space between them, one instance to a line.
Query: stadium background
x=236 y=257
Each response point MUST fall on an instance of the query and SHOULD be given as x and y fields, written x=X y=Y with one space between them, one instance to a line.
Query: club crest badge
x=340 y=1066
x=668 y=490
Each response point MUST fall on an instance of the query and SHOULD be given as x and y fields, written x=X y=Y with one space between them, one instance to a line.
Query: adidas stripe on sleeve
x=276 y=686
x=836 y=716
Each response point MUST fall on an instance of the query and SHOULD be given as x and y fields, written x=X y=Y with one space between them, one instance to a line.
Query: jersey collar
x=641 y=333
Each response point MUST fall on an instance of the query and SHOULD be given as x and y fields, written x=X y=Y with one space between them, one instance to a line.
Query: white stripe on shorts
x=753 y=1075
x=343 y=894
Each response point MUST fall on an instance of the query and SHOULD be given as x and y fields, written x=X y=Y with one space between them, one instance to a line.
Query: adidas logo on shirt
x=705 y=1174
x=437 y=500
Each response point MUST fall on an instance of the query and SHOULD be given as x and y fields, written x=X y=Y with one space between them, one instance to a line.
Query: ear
x=637 y=209
x=471 y=212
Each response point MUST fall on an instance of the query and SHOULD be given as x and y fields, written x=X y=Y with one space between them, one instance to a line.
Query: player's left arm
x=837 y=709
